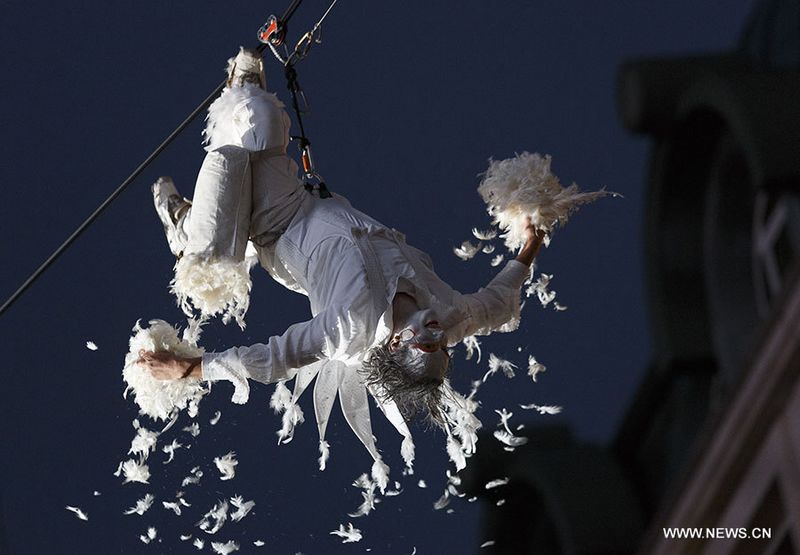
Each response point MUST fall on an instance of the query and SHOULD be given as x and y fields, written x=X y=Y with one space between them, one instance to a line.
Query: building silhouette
x=711 y=440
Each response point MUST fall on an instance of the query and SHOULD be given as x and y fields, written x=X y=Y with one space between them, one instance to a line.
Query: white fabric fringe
x=523 y=186
x=380 y=474
x=223 y=123
x=215 y=285
x=158 y=399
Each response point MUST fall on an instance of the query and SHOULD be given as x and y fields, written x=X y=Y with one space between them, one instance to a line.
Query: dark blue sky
x=409 y=101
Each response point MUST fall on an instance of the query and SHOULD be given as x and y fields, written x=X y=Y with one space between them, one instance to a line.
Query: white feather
x=78 y=512
x=218 y=515
x=467 y=250
x=543 y=409
x=215 y=418
x=91 y=345
x=142 y=505
x=134 y=471
x=497 y=260
x=324 y=453
x=194 y=429
x=540 y=288
x=194 y=477
x=510 y=439
x=173 y=506
x=170 y=450
x=380 y=473
x=496 y=483
x=534 y=367
x=523 y=187
x=496 y=363
x=226 y=465
x=225 y=548
x=143 y=442
x=198 y=543
x=349 y=534
x=368 y=504
x=213 y=285
x=472 y=345
x=487 y=235
x=242 y=508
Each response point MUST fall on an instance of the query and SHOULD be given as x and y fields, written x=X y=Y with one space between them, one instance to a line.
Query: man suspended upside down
x=382 y=318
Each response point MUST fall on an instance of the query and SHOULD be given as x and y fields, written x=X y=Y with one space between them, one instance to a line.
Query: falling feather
x=142 y=505
x=324 y=453
x=242 y=508
x=455 y=452
x=487 y=235
x=96 y=493
x=523 y=187
x=198 y=543
x=226 y=465
x=215 y=418
x=510 y=439
x=543 y=409
x=467 y=250
x=496 y=363
x=505 y=416
x=134 y=471
x=194 y=429
x=496 y=483
x=488 y=249
x=91 y=345
x=500 y=502
x=259 y=543
x=497 y=260
x=151 y=535
x=487 y=544
x=186 y=537
x=540 y=289
x=534 y=367
x=173 y=506
x=218 y=515
x=349 y=534
x=422 y=484
x=442 y=502
x=472 y=346
x=368 y=494
x=143 y=442
x=170 y=450
x=225 y=548
x=559 y=307
x=194 y=477
x=78 y=512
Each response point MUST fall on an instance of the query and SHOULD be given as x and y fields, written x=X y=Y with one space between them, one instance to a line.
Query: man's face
x=422 y=339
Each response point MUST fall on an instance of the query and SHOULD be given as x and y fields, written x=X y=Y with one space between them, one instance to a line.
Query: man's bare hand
x=532 y=245
x=164 y=365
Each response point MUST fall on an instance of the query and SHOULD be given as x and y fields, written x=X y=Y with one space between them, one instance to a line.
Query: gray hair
x=403 y=382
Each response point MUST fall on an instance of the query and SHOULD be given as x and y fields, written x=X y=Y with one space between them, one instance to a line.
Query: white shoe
x=172 y=209
x=246 y=67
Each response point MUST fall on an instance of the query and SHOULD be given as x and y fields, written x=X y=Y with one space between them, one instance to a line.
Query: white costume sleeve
x=496 y=307
x=342 y=331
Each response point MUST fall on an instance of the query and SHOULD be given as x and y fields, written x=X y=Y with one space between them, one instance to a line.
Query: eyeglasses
x=406 y=335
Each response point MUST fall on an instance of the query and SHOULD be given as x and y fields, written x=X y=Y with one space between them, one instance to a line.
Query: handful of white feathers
x=161 y=399
x=517 y=188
